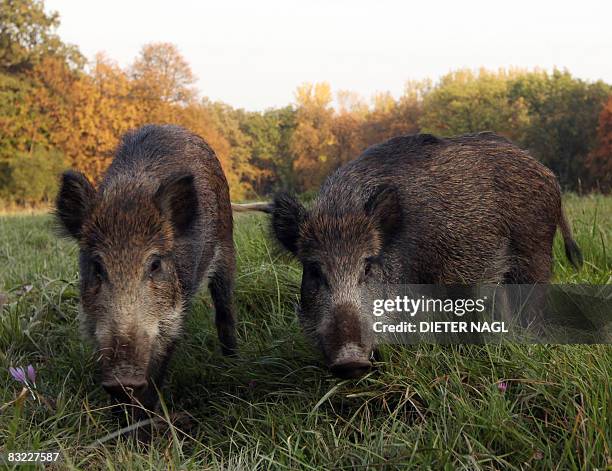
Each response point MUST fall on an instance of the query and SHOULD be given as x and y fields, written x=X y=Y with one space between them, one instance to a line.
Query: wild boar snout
x=125 y=388
x=352 y=369
x=345 y=345
x=124 y=360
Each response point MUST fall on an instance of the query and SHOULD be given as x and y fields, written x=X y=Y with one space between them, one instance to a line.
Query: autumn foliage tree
x=162 y=82
x=51 y=104
x=389 y=117
x=326 y=138
x=467 y=102
x=347 y=127
x=599 y=161
x=270 y=152
x=56 y=111
x=561 y=129
x=313 y=139
x=27 y=35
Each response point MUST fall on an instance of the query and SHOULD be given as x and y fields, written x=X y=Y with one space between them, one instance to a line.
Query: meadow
x=276 y=406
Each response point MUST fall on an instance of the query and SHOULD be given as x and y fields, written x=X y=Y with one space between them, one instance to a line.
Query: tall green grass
x=276 y=406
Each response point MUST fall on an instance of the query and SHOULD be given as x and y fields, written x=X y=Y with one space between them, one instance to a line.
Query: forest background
x=58 y=110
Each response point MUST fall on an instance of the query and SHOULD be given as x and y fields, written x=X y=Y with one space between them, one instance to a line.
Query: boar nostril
x=125 y=387
x=351 y=369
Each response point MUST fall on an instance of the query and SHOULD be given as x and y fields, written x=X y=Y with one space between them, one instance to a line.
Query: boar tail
x=263 y=207
x=572 y=251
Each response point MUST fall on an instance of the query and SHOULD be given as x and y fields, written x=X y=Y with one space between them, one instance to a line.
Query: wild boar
x=159 y=222
x=417 y=210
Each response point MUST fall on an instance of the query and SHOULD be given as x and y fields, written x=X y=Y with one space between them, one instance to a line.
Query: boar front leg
x=221 y=287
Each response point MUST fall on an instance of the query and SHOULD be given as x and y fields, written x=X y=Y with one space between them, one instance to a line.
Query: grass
x=276 y=407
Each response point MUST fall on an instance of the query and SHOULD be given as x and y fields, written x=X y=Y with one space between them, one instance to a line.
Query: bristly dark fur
x=74 y=201
x=158 y=224
x=463 y=210
x=384 y=207
x=178 y=196
x=287 y=215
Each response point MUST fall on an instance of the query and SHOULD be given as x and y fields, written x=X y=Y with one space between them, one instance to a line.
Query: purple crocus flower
x=31 y=374
x=502 y=386
x=26 y=376
x=18 y=373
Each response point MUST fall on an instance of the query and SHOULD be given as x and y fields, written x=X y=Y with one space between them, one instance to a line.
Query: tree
x=236 y=158
x=32 y=177
x=27 y=35
x=54 y=102
x=313 y=139
x=270 y=153
x=347 y=127
x=110 y=112
x=163 y=81
x=563 y=113
x=599 y=161
x=51 y=106
x=18 y=119
x=390 y=118
x=467 y=102
x=27 y=39
x=82 y=115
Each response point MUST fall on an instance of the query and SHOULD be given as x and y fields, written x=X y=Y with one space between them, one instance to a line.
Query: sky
x=254 y=54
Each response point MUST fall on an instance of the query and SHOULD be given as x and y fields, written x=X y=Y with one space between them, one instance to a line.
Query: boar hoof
x=229 y=346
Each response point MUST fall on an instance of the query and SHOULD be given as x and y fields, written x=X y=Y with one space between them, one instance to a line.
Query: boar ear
x=287 y=215
x=384 y=207
x=74 y=202
x=177 y=199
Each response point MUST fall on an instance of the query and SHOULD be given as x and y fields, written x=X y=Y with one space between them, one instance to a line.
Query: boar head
x=342 y=251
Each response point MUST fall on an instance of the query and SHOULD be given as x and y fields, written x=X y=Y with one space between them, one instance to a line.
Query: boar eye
x=97 y=268
x=367 y=267
x=314 y=271
x=155 y=265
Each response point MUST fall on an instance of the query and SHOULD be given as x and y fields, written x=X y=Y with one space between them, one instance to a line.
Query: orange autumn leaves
x=84 y=114
x=56 y=110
